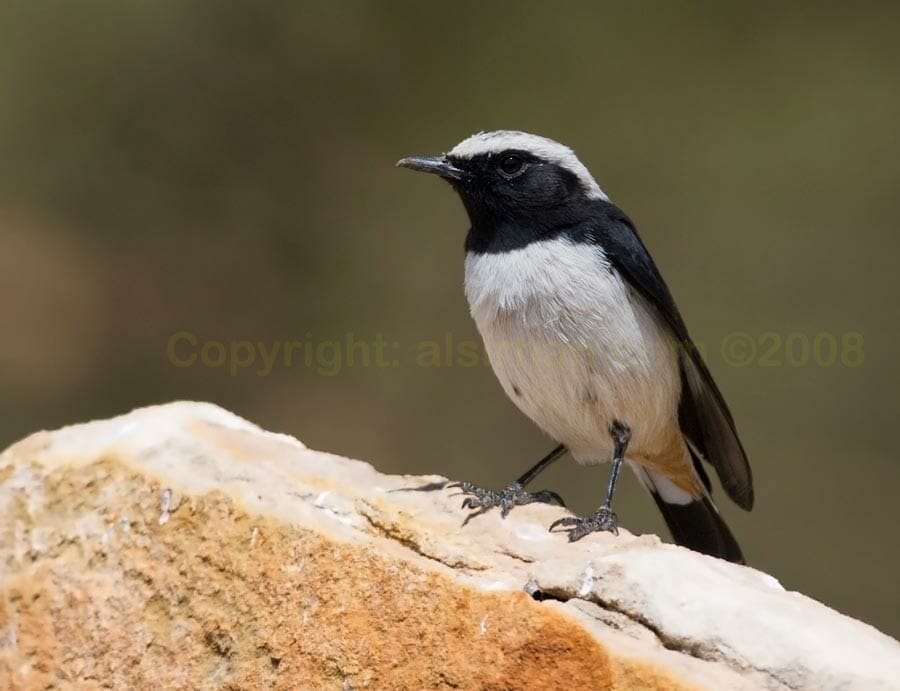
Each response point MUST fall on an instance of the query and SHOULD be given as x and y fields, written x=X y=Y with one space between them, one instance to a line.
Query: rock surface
x=180 y=546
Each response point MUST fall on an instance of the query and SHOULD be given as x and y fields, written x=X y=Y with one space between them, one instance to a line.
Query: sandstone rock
x=180 y=546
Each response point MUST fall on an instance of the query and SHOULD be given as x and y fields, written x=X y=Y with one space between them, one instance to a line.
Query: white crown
x=546 y=149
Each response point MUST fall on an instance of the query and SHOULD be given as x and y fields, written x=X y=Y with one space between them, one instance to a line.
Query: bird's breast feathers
x=573 y=346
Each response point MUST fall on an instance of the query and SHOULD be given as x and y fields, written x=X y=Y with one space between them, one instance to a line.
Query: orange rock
x=182 y=547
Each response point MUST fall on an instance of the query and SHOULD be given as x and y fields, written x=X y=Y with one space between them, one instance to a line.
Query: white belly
x=574 y=347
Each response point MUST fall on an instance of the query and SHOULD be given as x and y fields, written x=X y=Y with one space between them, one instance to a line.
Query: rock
x=180 y=546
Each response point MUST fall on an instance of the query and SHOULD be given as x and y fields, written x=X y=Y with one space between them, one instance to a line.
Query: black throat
x=585 y=220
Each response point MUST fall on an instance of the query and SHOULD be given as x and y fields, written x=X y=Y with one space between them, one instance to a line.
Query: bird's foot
x=482 y=500
x=603 y=520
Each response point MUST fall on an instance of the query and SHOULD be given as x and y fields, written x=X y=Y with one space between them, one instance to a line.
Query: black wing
x=703 y=414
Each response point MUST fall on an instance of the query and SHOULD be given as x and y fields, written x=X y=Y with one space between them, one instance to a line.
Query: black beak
x=439 y=165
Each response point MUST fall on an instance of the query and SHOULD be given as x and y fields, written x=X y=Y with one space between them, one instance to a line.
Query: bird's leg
x=514 y=494
x=603 y=519
x=540 y=466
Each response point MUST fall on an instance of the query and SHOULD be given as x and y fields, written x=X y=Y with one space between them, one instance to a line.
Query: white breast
x=574 y=347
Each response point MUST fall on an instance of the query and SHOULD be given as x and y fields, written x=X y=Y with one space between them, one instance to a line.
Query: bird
x=585 y=338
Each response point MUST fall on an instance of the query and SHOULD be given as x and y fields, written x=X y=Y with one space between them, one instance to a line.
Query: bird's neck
x=492 y=233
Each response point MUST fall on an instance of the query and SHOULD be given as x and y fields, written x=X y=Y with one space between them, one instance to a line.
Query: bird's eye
x=511 y=166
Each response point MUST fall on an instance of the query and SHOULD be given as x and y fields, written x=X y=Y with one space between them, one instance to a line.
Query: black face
x=512 y=184
x=514 y=198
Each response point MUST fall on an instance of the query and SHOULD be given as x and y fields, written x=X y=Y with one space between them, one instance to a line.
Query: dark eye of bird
x=511 y=165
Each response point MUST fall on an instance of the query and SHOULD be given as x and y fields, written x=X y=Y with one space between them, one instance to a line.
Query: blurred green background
x=226 y=169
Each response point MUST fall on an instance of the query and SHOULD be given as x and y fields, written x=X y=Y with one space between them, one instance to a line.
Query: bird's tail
x=694 y=521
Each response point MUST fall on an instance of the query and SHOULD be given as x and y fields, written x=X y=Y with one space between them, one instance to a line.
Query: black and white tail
x=694 y=522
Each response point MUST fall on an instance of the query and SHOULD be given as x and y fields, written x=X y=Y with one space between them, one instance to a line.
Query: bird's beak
x=439 y=165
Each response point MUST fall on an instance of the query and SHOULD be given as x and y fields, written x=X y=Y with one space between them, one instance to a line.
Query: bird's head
x=507 y=177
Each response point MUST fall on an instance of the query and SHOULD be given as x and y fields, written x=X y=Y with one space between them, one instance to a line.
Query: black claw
x=568 y=520
x=472 y=515
x=463 y=487
x=481 y=500
x=603 y=520
x=548 y=496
